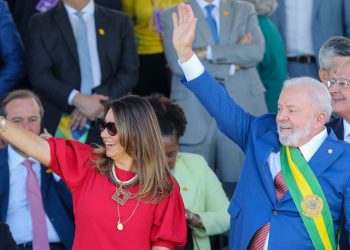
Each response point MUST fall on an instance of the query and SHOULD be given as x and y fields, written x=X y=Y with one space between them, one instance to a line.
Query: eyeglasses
x=110 y=126
x=338 y=83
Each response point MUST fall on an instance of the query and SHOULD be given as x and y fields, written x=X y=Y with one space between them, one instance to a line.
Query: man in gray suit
x=305 y=26
x=230 y=56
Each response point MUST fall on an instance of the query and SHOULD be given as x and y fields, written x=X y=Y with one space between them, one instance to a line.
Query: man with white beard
x=295 y=180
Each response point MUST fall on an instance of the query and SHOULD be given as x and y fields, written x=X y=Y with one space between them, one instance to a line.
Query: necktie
x=40 y=239
x=212 y=23
x=259 y=238
x=86 y=84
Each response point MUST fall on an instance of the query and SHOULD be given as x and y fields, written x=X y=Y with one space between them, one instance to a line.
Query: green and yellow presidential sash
x=308 y=197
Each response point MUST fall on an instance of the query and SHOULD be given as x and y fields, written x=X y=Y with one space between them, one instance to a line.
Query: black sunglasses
x=110 y=126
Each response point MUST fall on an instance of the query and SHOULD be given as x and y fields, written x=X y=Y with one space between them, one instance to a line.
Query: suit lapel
x=46 y=179
x=202 y=26
x=4 y=183
x=187 y=187
x=226 y=14
x=62 y=21
x=102 y=32
x=328 y=152
x=338 y=128
x=267 y=144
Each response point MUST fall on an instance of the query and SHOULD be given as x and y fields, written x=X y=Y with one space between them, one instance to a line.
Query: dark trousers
x=154 y=76
x=52 y=247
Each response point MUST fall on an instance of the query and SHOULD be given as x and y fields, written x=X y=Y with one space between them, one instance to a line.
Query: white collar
x=15 y=159
x=203 y=3
x=89 y=8
x=309 y=148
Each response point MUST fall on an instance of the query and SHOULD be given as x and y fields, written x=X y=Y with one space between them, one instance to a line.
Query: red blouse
x=96 y=214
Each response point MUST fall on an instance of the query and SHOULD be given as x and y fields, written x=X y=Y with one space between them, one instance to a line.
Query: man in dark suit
x=339 y=88
x=24 y=108
x=55 y=60
x=6 y=240
x=333 y=59
x=22 y=11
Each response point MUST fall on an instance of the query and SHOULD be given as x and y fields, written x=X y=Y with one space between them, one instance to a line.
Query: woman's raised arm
x=26 y=141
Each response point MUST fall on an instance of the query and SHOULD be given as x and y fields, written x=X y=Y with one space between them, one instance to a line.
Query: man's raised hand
x=184 y=31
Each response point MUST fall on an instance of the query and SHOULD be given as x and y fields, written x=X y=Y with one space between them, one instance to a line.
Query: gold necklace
x=121 y=196
x=120 y=224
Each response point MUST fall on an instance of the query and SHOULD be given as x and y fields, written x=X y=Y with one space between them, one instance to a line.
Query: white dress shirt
x=299 y=28
x=215 y=12
x=18 y=213
x=193 y=68
x=89 y=18
x=346 y=131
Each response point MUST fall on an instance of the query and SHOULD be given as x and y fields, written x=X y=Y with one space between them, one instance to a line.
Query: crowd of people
x=130 y=124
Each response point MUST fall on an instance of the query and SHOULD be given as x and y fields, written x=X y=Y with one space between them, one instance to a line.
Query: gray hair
x=264 y=7
x=335 y=46
x=320 y=97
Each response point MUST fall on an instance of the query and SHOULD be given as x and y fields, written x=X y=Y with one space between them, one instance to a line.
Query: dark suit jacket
x=11 y=51
x=338 y=127
x=53 y=63
x=57 y=200
x=6 y=240
x=22 y=11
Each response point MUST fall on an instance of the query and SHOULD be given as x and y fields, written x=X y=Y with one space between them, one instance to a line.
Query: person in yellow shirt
x=153 y=76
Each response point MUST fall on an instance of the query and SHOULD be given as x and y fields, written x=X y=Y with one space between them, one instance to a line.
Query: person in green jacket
x=205 y=200
x=273 y=68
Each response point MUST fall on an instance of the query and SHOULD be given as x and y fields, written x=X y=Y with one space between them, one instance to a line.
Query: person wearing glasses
x=205 y=200
x=333 y=53
x=124 y=195
x=339 y=88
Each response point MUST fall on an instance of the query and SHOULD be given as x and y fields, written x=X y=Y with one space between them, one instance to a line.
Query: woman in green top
x=205 y=200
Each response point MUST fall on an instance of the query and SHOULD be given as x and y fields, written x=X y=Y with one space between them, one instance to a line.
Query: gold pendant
x=120 y=226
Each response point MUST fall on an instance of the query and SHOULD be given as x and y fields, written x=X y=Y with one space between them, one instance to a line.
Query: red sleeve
x=70 y=160
x=169 y=225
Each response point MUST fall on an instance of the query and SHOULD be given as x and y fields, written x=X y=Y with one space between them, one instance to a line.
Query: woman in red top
x=124 y=196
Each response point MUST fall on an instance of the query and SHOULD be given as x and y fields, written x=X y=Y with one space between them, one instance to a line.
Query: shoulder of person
x=193 y=161
x=167 y=13
x=111 y=12
x=242 y=6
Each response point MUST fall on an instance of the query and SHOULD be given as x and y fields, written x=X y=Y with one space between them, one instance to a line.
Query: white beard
x=295 y=136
